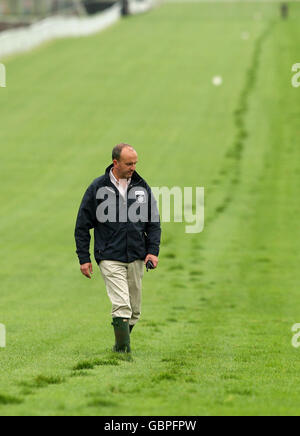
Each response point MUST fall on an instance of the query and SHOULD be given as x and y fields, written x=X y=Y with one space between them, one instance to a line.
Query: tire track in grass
x=235 y=153
x=233 y=159
x=230 y=175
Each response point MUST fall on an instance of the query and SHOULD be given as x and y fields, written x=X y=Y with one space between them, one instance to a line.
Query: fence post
x=125 y=7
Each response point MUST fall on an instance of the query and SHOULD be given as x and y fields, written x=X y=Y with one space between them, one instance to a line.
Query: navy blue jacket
x=122 y=239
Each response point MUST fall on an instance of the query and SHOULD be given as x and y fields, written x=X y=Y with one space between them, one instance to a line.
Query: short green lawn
x=215 y=334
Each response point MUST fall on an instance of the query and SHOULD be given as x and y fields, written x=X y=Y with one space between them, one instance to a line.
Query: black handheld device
x=149 y=265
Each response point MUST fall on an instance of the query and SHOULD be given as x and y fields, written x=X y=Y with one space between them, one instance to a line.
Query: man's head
x=124 y=159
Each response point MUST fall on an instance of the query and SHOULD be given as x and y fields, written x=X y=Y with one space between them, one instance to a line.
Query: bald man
x=121 y=209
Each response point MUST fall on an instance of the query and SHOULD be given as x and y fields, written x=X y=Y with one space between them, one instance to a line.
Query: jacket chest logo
x=140 y=197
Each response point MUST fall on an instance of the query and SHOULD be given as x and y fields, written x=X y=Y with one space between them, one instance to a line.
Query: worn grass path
x=215 y=335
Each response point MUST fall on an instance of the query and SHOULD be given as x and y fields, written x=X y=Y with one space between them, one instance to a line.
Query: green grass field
x=215 y=334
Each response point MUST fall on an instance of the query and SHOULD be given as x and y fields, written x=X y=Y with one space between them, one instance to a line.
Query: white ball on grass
x=217 y=80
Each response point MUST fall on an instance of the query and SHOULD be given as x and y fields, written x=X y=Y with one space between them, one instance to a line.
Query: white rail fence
x=20 y=40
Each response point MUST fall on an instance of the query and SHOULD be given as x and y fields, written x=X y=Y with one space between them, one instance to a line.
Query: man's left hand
x=154 y=260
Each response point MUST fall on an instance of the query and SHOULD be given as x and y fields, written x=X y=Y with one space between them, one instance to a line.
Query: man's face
x=126 y=166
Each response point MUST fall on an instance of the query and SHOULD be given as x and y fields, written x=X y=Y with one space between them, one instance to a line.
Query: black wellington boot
x=122 y=334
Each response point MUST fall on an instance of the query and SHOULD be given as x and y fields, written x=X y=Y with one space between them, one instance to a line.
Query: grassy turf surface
x=215 y=335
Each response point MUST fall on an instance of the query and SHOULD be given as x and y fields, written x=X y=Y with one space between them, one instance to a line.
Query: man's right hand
x=87 y=270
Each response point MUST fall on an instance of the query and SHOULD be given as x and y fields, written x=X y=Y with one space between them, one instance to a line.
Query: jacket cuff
x=83 y=261
x=153 y=250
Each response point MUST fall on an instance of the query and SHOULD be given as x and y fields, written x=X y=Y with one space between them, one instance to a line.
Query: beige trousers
x=124 y=287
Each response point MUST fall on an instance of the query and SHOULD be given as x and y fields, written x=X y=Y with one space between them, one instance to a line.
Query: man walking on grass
x=121 y=209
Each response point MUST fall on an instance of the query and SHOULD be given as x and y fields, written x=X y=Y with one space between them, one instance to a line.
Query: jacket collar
x=135 y=178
